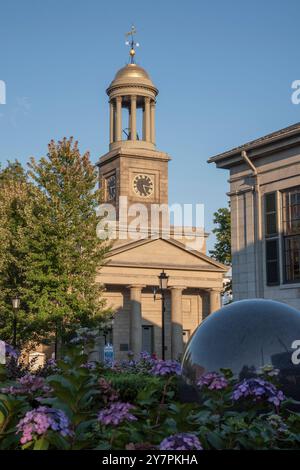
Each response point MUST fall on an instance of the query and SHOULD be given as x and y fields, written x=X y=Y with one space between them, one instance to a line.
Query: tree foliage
x=222 y=248
x=50 y=250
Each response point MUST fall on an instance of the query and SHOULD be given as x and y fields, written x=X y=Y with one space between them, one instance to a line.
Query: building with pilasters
x=135 y=171
x=265 y=216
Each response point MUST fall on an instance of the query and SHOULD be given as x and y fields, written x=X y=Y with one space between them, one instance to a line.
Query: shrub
x=128 y=407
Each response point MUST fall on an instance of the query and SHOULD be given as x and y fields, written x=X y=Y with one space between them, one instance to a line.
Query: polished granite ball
x=245 y=336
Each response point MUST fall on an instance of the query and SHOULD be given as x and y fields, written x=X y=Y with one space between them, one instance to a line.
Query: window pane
x=291 y=212
x=270 y=214
x=292 y=258
x=271 y=250
x=271 y=202
x=272 y=264
x=271 y=228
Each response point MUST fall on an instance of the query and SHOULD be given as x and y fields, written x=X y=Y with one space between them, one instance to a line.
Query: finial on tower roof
x=131 y=43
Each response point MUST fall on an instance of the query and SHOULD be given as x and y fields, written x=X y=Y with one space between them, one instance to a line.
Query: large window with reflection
x=291 y=234
x=271 y=239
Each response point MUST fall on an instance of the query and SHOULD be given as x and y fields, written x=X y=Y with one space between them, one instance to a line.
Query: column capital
x=136 y=286
x=180 y=288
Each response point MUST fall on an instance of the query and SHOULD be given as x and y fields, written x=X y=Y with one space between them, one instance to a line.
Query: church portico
x=139 y=313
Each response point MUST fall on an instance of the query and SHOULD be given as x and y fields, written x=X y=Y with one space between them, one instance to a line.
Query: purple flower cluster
x=37 y=422
x=181 y=441
x=90 y=365
x=51 y=363
x=145 y=356
x=116 y=414
x=11 y=352
x=277 y=423
x=28 y=384
x=258 y=389
x=168 y=367
x=213 y=381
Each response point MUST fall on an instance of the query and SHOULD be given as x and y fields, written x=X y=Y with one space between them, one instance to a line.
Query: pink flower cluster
x=40 y=420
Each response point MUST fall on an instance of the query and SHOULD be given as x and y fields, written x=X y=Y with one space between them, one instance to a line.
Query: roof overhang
x=266 y=145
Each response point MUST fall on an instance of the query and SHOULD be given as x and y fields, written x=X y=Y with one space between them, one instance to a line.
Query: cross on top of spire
x=131 y=43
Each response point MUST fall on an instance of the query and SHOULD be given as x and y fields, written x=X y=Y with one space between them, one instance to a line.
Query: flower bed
x=75 y=404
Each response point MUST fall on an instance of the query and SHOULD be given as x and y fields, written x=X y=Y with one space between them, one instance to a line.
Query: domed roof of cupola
x=131 y=75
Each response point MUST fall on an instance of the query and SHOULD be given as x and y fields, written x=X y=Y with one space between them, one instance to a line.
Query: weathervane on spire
x=131 y=43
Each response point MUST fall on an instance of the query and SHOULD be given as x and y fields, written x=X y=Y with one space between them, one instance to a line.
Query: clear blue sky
x=224 y=70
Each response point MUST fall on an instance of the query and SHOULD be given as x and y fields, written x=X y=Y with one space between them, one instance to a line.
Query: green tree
x=64 y=254
x=222 y=231
x=50 y=255
x=16 y=199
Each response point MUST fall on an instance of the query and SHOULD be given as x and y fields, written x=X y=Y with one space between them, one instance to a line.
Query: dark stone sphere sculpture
x=244 y=336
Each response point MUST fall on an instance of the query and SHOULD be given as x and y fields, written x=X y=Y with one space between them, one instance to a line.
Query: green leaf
x=215 y=440
x=41 y=444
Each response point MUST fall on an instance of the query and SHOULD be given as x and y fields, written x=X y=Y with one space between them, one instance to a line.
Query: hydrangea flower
x=258 y=389
x=212 y=381
x=277 y=423
x=37 y=422
x=116 y=414
x=90 y=365
x=145 y=356
x=11 y=352
x=28 y=384
x=168 y=367
x=181 y=441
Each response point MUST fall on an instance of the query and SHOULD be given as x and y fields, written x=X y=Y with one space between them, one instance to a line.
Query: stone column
x=152 y=112
x=133 y=118
x=111 y=122
x=214 y=300
x=119 y=118
x=136 y=319
x=176 y=320
x=147 y=119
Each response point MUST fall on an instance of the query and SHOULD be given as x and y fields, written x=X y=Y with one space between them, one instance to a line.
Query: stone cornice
x=120 y=87
x=131 y=152
x=177 y=267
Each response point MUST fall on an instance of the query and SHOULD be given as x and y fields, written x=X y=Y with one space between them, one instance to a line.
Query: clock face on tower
x=111 y=187
x=143 y=185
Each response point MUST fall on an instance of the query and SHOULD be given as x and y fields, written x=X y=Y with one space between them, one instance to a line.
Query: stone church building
x=133 y=168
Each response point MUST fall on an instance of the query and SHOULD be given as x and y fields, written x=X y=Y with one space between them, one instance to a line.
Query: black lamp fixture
x=163 y=285
x=16 y=305
x=163 y=280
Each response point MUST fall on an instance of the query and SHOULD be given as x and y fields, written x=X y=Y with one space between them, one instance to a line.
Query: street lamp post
x=16 y=305
x=163 y=285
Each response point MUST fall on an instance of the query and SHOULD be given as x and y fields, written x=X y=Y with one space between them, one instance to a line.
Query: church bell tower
x=133 y=167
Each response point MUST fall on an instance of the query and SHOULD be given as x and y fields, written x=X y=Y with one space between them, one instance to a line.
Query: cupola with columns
x=133 y=167
x=132 y=89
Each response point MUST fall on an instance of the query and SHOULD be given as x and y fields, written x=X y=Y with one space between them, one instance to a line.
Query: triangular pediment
x=162 y=252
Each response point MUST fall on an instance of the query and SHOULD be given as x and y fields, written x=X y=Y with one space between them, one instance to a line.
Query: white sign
x=2 y=352
x=109 y=353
